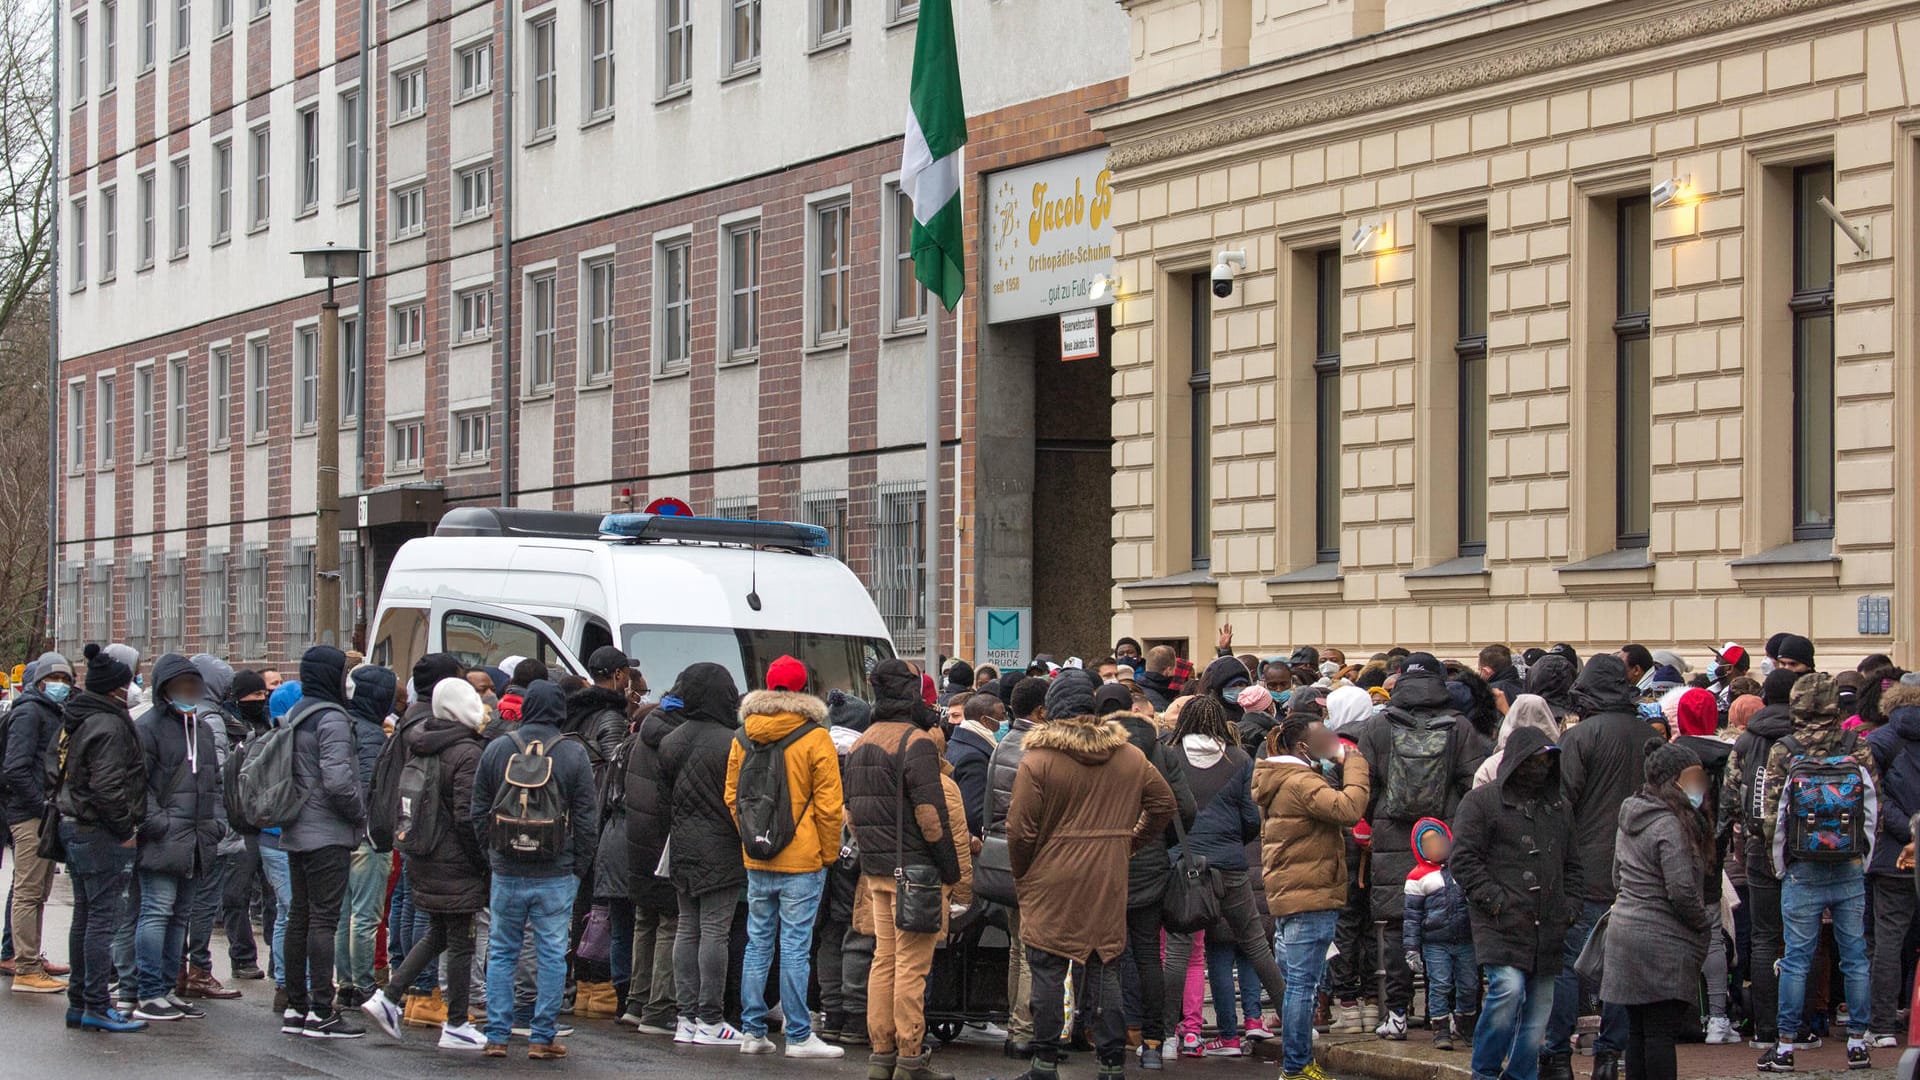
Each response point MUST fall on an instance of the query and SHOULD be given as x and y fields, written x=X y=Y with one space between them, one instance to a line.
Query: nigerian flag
x=930 y=162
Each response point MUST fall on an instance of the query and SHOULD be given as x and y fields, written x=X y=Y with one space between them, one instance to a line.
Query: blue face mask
x=56 y=692
x=1696 y=798
x=184 y=708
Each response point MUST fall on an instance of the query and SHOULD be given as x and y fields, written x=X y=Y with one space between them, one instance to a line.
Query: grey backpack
x=264 y=791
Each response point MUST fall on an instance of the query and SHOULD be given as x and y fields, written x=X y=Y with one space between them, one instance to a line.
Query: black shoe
x=1442 y=1035
x=188 y=1010
x=1858 y=1056
x=1556 y=1066
x=334 y=1025
x=248 y=973
x=1606 y=1065
x=1017 y=1051
x=1776 y=1061
x=159 y=1010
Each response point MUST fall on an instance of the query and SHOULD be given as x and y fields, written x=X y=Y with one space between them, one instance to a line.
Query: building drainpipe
x=508 y=105
x=362 y=571
x=53 y=330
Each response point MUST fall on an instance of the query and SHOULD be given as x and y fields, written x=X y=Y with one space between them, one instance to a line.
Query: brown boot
x=881 y=1066
x=919 y=1068
x=552 y=1051
x=202 y=984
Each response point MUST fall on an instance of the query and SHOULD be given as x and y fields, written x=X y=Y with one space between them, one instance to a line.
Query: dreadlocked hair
x=1291 y=731
x=1204 y=716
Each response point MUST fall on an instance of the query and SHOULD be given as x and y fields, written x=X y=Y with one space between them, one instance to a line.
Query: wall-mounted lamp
x=1104 y=286
x=1861 y=235
x=1363 y=236
x=1666 y=191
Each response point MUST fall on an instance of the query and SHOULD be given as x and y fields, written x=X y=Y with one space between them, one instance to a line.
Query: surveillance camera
x=1665 y=192
x=1223 y=271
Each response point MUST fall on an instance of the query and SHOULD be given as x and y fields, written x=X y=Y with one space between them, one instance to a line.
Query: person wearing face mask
x=31 y=726
x=1657 y=941
x=1695 y=719
x=370 y=694
x=186 y=821
x=217 y=713
x=248 y=714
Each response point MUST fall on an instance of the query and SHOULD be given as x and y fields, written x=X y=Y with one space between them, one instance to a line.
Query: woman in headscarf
x=1527 y=711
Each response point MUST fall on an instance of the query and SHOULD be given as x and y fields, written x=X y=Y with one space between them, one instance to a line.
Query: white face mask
x=349 y=686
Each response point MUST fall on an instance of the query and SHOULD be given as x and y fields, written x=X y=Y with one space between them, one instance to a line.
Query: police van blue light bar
x=789 y=535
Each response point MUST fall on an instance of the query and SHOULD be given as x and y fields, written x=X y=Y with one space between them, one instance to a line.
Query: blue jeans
x=160 y=940
x=274 y=862
x=100 y=868
x=1808 y=891
x=1506 y=1044
x=543 y=908
x=782 y=905
x=1453 y=980
x=1566 y=994
x=1301 y=943
x=360 y=918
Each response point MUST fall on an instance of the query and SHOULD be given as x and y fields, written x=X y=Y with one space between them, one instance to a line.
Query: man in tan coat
x=1084 y=801
x=1304 y=862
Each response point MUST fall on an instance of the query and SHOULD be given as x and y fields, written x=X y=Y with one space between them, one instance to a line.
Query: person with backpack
x=703 y=853
x=244 y=870
x=319 y=841
x=273 y=860
x=1821 y=804
x=445 y=857
x=186 y=820
x=534 y=801
x=26 y=735
x=597 y=715
x=1743 y=807
x=1602 y=762
x=1422 y=754
x=783 y=785
x=1896 y=754
x=653 y=1000
x=368 y=707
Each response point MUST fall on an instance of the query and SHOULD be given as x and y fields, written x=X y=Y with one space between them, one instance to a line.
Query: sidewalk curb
x=1371 y=1057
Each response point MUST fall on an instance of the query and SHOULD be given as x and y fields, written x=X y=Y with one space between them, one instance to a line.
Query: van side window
x=482 y=641
x=400 y=639
x=592 y=636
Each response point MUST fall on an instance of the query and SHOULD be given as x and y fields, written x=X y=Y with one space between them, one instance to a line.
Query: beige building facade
x=1559 y=320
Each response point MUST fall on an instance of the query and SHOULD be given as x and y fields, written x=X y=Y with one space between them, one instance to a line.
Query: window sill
x=742 y=71
x=543 y=395
x=77 y=288
x=1466 y=576
x=221 y=32
x=352 y=198
x=408 y=353
x=144 y=72
x=261 y=14
x=1792 y=566
x=1177 y=591
x=108 y=280
x=147 y=460
x=745 y=359
x=176 y=455
x=825 y=347
x=256 y=440
x=476 y=339
x=400 y=121
x=598 y=386
x=306 y=212
x=108 y=91
x=220 y=447
x=909 y=331
x=474 y=95
x=1623 y=570
x=900 y=21
x=541 y=138
x=307 y=432
x=105 y=467
x=178 y=256
x=839 y=40
x=401 y=238
x=220 y=241
x=673 y=94
x=662 y=375
x=462 y=467
x=257 y=229
x=78 y=105
x=144 y=268
x=599 y=119
x=406 y=470
x=1322 y=579
x=473 y=219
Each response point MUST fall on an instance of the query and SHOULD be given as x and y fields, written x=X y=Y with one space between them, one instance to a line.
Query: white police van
x=493 y=583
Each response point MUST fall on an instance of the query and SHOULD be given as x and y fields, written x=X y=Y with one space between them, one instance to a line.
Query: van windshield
x=835 y=661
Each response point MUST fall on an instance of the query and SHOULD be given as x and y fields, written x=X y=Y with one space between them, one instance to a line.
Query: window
x=540 y=308
x=676 y=46
x=350 y=368
x=306 y=374
x=138 y=592
x=899 y=565
x=597 y=285
x=176 y=406
x=68 y=604
x=1633 y=372
x=1470 y=349
x=832 y=265
x=76 y=426
x=828 y=509
x=251 y=598
x=172 y=605
x=182 y=206
x=906 y=300
x=474 y=65
x=742 y=255
x=80 y=85
x=410 y=94
x=407 y=442
x=1326 y=406
x=470 y=435
x=79 y=243
x=257 y=388
x=148 y=44
x=109 y=45
x=182 y=25
x=262 y=209
x=350 y=142
x=1200 y=419
x=109 y=235
x=99 y=600
x=409 y=211
x=474 y=187
x=406 y=328
x=220 y=395
x=222 y=191
x=144 y=243
x=262 y=7
x=832 y=21
x=1812 y=307
x=673 y=304
x=309 y=159
x=350 y=592
x=222 y=16
x=213 y=601
x=473 y=311
x=143 y=413
x=743 y=36
x=103 y=420
x=299 y=585
x=599 y=58
x=546 y=77
x=737 y=508
x=902 y=10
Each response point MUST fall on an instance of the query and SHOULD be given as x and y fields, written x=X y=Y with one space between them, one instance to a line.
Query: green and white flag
x=930 y=162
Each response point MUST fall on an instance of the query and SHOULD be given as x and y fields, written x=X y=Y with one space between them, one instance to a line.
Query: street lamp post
x=329 y=262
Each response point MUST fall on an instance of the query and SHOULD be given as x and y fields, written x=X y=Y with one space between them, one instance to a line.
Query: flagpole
x=932 y=515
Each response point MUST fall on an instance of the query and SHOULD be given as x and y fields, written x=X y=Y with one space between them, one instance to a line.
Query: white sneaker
x=463 y=1037
x=813 y=1046
x=1882 y=1041
x=384 y=1014
x=1720 y=1032
x=1348 y=1020
x=684 y=1030
x=1393 y=1026
x=631 y=1020
x=720 y=1034
x=756 y=1044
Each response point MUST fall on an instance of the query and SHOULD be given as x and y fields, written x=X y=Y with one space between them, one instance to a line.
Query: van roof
x=659 y=584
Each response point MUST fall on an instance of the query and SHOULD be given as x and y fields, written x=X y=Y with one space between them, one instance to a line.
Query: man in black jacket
x=1154 y=680
x=534 y=889
x=1603 y=760
x=1496 y=666
x=369 y=706
x=1742 y=807
x=652 y=997
x=31 y=726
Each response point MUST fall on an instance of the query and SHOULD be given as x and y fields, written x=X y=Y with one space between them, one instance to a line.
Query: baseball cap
x=1425 y=663
x=788 y=674
x=1731 y=654
x=606 y=661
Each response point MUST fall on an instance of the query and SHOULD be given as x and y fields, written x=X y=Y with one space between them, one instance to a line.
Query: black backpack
x=383 y=791
x=1420 y=766
x=420 y=819
x=762 y=800
x=529 y=817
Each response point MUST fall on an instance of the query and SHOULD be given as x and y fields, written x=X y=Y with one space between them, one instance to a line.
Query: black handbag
x=1592 y=961
x=1194 y=891
x=919 y=903
x=51 y=845
x=993 y=872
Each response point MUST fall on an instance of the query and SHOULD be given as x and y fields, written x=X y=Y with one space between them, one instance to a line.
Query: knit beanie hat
x=1667 y=762
x=458 y=701
x=246 y=683
x=1256 y=699
x=105 y=673
x=429 y=670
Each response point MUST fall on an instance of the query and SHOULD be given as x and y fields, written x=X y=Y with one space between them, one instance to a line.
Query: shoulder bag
x=1194 y=891
x=919 y=904
x=1593 y=955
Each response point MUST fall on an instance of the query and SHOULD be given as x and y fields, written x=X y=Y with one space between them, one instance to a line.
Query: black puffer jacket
x=1422 y=696
x=1001 y=769
x=32 y=725
x=1149 y=867
x=183 y=764
x=879 y=770
x=1740 y=798
x=454 y=879
x=599 y=717
x=373 y=692
x=647 y=813
x=1603 y=760
x=105 y=771
x=1516 y=860
x=706 y=856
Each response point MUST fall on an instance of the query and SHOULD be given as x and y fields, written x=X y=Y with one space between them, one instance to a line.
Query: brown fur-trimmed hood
x=1897 y=696
x=772 y=715
x=1086 y=739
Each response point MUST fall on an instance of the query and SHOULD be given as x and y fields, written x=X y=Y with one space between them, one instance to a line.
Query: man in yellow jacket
x=783 y=787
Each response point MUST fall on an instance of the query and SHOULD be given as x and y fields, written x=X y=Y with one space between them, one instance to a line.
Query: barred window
x=828 y=509
x=213 y=602
x=899 y=565
x=100 y=601
x=172 y=605
x=138 y=591
x=299 y=586
x=737 y=507
x=349 y=582
x=67 y=628
x=252 y=598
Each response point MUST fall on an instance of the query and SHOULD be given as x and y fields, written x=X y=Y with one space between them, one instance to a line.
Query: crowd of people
x=1520 y=840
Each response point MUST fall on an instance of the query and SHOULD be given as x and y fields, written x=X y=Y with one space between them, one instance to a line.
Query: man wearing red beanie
x=1696 y=721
